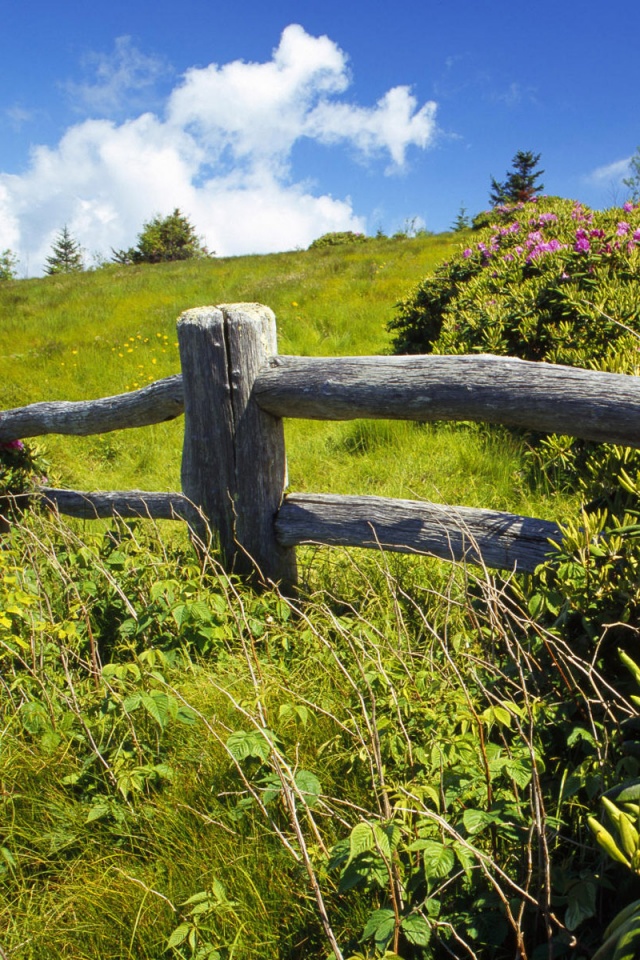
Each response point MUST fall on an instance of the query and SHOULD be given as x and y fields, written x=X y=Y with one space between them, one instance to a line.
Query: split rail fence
x=235 y=390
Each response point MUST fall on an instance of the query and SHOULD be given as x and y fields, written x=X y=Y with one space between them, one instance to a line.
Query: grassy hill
x=112 y=330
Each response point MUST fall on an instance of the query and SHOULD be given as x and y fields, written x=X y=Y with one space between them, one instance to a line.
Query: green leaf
x=416 y=929
x=248 y=743
x=97 y=812
x=476 y=820
x=179 y=935
x=380 y=926
x=582 y=903
x=309 y=786
x=439 y=860
x=157 y=706
x=186 y=715
x=361 y=839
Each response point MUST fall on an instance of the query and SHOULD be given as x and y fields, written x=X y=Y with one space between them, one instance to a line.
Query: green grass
x=113 y=330
x=386 y=680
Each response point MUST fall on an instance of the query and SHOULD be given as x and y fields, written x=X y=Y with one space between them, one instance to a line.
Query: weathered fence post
x=233 y=463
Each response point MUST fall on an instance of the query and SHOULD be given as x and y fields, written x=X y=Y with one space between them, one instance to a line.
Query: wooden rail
x=234 y=391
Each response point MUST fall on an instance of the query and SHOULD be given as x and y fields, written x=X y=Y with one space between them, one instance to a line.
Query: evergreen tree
x=66 y=255
x=633 y=182
x=8 y=264
x=164 y=238
x=520 y=184
x=461 y=221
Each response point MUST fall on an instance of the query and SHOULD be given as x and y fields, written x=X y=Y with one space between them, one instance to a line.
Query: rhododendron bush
x=545 y=280
x=548 y=280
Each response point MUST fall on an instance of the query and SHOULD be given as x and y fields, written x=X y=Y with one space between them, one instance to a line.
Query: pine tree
x=164 y=238
x=461 y=221
x=520 y=184
x=66 y=255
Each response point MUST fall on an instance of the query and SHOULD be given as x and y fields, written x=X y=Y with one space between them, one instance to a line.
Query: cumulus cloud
x=221 y=151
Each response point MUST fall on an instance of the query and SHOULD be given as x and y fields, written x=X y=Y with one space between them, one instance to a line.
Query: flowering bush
x=21 y=468
x=545 y=280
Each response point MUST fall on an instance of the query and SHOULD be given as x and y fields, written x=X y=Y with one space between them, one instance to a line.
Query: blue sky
x=271 y=123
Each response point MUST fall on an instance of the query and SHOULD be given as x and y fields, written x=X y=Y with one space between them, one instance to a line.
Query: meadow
x=398 y=763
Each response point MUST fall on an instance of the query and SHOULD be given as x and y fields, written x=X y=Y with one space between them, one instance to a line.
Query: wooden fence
x=234 y=391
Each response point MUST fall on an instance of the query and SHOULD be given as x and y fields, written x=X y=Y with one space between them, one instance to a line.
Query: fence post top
x=238 y=312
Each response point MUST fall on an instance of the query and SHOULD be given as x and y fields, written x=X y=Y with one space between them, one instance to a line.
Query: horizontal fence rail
x=549 y=398
x=235 y=390
x=160 y=401
x=497 y=540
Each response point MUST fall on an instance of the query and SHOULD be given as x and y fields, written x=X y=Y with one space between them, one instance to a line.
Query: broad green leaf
x=248 y=743
x=582 y=903
x=97 y=812
x=416 y=929
x=361 y=839
x=157 y=706
x=186 y=715
x=196 y=898
x=309 y=786
x=439 y=860
x=380 y=926
x=476 y=820
x=199 y=611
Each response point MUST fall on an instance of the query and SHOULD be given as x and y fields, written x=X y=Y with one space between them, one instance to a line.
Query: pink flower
x=582 y=245
x=12 y=445
x=627 y=207
x=622 y=228
x=467 y=253
x=636 y=235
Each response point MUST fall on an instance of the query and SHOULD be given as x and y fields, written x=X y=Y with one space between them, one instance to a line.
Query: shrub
x=8 y=264
x=164 y=239
x=547 y=280
x=337 y=238
x=552 y=280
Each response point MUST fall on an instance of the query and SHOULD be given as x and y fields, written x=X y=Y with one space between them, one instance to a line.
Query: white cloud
x=221 y=152
x=610 y=173
x=121 y=79
x=392 y=125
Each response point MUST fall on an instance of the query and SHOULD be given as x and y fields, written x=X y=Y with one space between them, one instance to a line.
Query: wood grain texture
x=539 y=396
x=208 y=473
x=160 y=401
x=259 y=447
x=234 y=464
x=121 y=503
x=497 y=540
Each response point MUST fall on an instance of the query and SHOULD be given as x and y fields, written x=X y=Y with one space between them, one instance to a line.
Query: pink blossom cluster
x=535 y=245
x=12 y=445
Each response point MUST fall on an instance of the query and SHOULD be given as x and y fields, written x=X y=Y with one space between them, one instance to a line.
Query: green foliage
x=547 y=280
x=633 y=181
x=462 y=221
x=22 y=467
x=8 y=264
x=520 y=185
x=66 y=255
x=337 y=238
x=164 y=239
